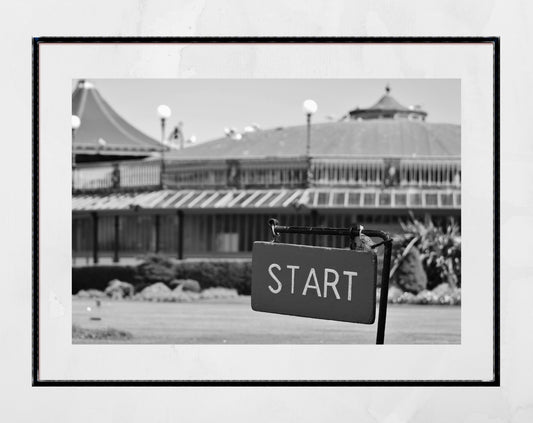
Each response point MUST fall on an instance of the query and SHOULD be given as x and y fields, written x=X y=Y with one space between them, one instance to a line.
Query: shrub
x=155 y=292
x=186 y=285
x=426 y=297
x=442 y=289
x=394 y=293
x=100 y=334
x=161 y=293
x=181 y=296
x=217 y=293
x=406 y=298
x=199 y=274
x=410 y=275
x=429 y=297
x=118 y=289
x=236 y=274
x=440 y=250
x=154 y=268
x=91 y=293
x=97 y=277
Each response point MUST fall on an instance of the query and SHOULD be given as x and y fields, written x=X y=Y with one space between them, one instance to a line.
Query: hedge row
x=236 y=274
x=210 y=274
x=97 y=277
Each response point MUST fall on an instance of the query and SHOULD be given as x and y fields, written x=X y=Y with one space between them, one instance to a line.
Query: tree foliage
x=439 y=247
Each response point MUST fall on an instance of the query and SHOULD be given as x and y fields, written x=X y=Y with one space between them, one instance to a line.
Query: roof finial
x=387 y=88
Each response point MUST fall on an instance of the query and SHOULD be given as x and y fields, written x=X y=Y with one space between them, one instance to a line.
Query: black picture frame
x=39 y=41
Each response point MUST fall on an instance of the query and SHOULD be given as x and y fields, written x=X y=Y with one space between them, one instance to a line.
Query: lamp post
x=164 y=113
x=75 y=123
x=309 y=107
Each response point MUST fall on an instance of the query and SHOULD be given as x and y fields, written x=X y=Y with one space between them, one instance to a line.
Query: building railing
x=269 y=173
x=389 y=172
x=143 y=174
x=116 y=176
x=205 y=174
x=94 y=177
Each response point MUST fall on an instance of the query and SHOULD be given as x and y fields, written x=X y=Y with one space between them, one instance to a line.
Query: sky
x=207 y=106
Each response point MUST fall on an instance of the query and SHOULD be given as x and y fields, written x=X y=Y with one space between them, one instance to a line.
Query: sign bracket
x=352 y=233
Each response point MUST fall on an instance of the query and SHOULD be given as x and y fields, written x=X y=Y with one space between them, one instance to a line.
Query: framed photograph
x=266 y=211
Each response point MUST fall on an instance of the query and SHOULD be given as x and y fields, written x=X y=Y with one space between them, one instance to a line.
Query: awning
x=312 y=198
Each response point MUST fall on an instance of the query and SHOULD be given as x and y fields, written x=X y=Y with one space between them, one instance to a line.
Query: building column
x=181 y=219
x=314 y=223
x=95 y=237
x=116 y=245
x=157 y=229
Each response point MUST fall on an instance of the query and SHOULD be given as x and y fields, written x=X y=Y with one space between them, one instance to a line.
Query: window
x=354 y=198
x=415 y=199
x=431 y=200
x=446 y=199
x=227 y=242
x=323 y=198
x=384 y=199
x=369 y=199
x=338 y=198
x=400 y=199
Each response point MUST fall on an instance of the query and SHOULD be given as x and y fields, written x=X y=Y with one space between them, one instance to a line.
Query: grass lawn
x=234 y=322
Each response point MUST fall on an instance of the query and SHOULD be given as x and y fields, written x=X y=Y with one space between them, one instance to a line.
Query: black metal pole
x=116 y=240
x=314 y=222
x=116 y=175
x=309 y=175
x=73 y=162
x=162 y=170
x=95 y=237
x=180 y=234
x=157 y=229
x=384 y=292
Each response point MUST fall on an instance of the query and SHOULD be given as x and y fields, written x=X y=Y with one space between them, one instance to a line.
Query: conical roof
x=387 y=107
x=387 y=102
x=103 y=131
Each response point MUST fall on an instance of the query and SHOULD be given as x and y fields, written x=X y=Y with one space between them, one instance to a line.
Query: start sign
x=324 y=283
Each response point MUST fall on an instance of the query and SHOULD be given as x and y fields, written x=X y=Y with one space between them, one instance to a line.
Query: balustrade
x=114 y=176
x=139 y=174
x=93 y=177
x=270 y=173
x=379 y=172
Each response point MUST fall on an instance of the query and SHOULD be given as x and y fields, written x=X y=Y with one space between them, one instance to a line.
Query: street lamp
x=75 y=123
x=309 y=107
x=164 y=113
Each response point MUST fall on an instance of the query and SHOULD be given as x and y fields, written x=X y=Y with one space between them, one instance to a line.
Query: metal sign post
x=351 y=233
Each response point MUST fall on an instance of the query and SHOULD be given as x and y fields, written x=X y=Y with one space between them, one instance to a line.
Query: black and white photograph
x=174 y=183
x=311 y=222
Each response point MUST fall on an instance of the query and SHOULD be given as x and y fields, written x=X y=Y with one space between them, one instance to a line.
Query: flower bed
x=441 y=295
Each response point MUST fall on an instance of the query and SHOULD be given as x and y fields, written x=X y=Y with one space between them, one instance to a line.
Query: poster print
x=170 y=207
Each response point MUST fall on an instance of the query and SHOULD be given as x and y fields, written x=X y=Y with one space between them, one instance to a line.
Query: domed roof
x=365 y=138
x=102 y=129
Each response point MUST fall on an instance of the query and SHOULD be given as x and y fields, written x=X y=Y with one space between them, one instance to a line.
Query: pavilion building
x=374 y=167
x=103 y=134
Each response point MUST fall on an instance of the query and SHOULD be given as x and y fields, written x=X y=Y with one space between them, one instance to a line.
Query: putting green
x=234 y=322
